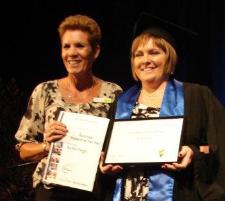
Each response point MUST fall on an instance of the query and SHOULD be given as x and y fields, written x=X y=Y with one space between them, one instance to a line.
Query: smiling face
x=153 y=59
x=149 y=63
x=77 y=53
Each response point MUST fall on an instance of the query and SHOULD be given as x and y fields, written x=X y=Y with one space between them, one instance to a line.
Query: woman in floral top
x=80 y=92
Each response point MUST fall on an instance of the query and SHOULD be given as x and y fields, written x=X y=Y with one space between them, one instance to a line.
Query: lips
x=73 y=62
x=147 y=69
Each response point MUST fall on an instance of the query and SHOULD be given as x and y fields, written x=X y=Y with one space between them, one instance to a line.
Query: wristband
x=44 y=146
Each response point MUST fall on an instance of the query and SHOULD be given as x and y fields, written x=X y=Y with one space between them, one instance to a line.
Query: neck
x=152 y=88
x=151 y=95
x=81 y=82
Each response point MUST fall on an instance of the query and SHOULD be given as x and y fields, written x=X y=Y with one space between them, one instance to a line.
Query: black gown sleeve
x=210 y=168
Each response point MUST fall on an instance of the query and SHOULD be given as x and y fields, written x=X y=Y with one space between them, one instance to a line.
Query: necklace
x=155 y=94
x=73 y=95
x=153 y=99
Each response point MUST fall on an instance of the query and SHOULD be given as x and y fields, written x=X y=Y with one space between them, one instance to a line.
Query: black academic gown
x=204 y=124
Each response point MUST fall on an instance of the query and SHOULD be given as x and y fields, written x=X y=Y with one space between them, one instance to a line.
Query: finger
x=168 y=166
x=102 y=156
x=57 y=125
x=106 y=168
x=101 y=167
x=60 y=127
x=185 y=158
x=109 y=168
x=179 y=166
x=53 y=138
x=182 y=152
x=54 y=123
x=56 y=128
x=57 y=132
x=117 y=168
x=54 y=131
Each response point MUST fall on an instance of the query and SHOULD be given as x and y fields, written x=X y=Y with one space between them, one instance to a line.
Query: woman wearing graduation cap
x=199 y=173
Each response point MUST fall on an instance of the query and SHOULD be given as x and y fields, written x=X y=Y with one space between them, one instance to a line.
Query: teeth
x=147 y=68
x=73 y=62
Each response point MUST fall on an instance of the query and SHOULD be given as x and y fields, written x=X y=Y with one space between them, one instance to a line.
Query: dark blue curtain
x=218 y=53
x=33 y=53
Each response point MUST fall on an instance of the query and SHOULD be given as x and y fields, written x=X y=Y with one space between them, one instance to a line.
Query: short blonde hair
x=83 y=23
x=159 y=42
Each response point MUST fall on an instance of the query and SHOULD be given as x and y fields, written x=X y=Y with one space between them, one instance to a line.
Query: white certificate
x=73 y=161
x=144 y=141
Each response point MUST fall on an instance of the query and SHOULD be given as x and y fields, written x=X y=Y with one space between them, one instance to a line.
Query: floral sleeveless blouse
x=44 y=106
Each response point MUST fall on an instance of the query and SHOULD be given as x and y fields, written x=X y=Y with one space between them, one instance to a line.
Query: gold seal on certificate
x=135 y=141
x=73 y=161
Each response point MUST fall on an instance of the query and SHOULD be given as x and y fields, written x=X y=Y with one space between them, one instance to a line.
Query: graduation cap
x=176 y=35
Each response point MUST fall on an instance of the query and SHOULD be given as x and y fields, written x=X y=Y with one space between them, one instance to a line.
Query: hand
x=55 y=131
x=107 y=169
x=185 y=158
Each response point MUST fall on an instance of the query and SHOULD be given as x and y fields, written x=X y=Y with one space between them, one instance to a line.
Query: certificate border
x=54 y=182
x=109 y=133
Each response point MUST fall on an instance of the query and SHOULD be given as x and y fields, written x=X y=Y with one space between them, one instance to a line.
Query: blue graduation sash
x=161 y=182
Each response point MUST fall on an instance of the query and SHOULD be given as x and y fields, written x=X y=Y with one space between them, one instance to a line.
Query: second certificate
x=144 y=141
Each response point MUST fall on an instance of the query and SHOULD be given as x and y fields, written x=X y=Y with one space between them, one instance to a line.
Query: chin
x=74 y=70
x=77 y=73
x=147 y=79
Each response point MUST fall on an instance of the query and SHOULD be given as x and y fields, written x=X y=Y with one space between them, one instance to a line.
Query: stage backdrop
x=218 y=52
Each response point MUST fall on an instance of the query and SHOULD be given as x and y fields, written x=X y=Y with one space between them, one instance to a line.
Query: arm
x=34 y=133
x=210 y=167
x=205 y=126
x=36 y=151
x=32 y=151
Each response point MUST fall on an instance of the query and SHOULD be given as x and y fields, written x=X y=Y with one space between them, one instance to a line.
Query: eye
x=80 y=45
x=154 y=52
x=138 y=54
x=66 y=46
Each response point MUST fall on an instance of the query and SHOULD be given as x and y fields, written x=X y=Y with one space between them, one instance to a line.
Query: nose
x=146 y=58
x=73 y=51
